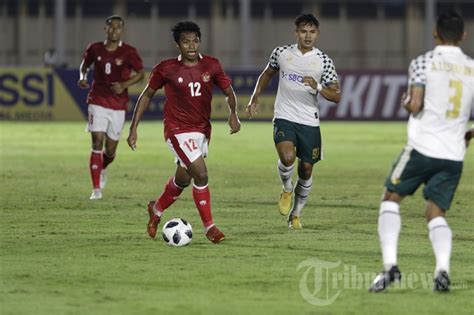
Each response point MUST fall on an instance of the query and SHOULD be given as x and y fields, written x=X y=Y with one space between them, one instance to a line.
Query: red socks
x=169 y=196
x=95 y=166
x=202 y=199
x=201 y=195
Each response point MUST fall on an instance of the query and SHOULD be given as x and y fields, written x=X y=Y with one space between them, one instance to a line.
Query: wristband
x=319 y=87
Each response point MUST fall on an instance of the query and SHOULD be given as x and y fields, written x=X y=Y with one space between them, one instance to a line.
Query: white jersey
x=294 y=102
x=447 y=75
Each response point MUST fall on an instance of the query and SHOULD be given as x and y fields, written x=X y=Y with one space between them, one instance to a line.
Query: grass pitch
x=63 y=254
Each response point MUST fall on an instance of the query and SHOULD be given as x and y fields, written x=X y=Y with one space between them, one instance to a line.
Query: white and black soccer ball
x=177 y=232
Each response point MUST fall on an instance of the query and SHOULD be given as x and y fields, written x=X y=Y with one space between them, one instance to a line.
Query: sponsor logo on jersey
x=206 y=77
x=118 y=61
x=292 y=76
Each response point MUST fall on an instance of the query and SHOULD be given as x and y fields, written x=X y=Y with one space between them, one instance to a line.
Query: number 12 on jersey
x=195 y=88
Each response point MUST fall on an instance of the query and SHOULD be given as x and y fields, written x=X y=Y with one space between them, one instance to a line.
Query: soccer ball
x=177 y=232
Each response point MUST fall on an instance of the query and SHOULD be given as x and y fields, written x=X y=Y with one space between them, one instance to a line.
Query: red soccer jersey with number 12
x=110 y=67
x=188 y=91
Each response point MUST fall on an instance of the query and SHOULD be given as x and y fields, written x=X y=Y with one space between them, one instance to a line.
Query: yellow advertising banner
x=35 y=94
x=47 y=94
x=220 y=110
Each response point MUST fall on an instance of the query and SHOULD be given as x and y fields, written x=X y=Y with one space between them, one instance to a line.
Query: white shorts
x=188 y=147
x=106 y=120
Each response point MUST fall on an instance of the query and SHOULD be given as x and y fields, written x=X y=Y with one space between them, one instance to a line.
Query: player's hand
x=405 y=100
x=468 y=136
x=132 y=139
x=82 y=84
x=234 y=123
x=251 y=109
x=310 y=81
x=118 y=87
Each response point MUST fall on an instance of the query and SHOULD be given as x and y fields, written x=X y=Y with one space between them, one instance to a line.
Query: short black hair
x=450 y=26
x=109 y=20
x=185 y=27
x=306 y=18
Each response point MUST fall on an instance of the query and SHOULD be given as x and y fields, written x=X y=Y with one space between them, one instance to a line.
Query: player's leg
x=302 y=190
x=95 y=163
x=201 y=195
x=407 y=174
x=109 y=151
x=171 y=192
x=309 y=152
x=285 y=167
x=202 y=199
x=441 y=240
x=97 y=126
x=439 y=193
x=115 y=123
x=389 y=225
x=108 y=156
x=190 y=150
x=285 y=138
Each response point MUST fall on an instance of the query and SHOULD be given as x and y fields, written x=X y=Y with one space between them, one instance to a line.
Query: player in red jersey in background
x=188 y=81
x=108 y=99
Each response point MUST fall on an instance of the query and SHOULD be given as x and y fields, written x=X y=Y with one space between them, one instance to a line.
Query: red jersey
x=188 y=91
x=109 y=67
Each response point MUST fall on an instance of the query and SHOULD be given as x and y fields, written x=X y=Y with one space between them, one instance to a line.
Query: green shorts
x=441 y=177
x=306 y=139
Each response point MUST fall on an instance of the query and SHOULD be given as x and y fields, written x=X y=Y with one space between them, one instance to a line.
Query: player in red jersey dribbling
x=188 y=81
x=107 y=101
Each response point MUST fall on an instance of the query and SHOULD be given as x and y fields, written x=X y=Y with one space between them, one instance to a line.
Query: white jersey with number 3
x=447 y=75
x=294 y=102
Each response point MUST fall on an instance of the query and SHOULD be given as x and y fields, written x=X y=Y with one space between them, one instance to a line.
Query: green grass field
x=63 y=254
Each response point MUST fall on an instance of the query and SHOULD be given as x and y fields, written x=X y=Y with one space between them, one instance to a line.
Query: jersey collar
x=119 y=44
x=299 y=53
x=181 y=57
x=447 y=48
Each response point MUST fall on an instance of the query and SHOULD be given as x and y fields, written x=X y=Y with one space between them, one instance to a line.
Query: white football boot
x=96 y=194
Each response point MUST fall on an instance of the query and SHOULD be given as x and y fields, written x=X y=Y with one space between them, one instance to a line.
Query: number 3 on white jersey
x=195 y=88
x=455 y=100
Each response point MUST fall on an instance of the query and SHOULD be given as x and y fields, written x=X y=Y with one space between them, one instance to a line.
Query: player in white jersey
x=439 y=98
x=305 y=72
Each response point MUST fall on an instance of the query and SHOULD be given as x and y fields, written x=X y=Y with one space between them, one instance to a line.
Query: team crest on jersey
x=206 y=77
x=99 y=58
x=180 y=80
x=118 y=61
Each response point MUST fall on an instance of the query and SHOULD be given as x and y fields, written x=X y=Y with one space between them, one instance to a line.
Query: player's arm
x=262 y=82
x=412 y=101
x=331 y=92
x=234 y=122
x=83 y=69
x=142 y=104
x=119 y=87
